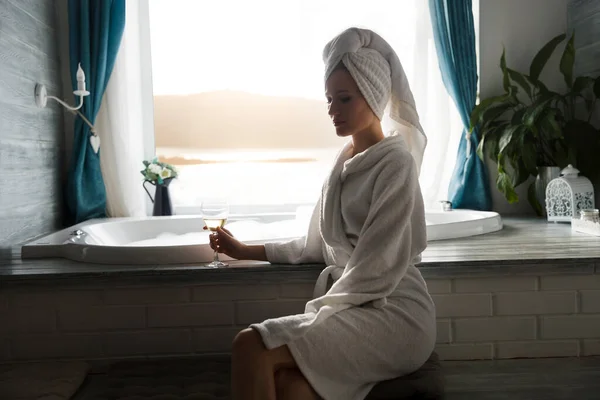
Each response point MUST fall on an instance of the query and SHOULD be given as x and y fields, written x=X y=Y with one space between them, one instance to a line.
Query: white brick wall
x=96 y=318
x=590 y=301
x=170 y=341
x=57 y=345
x=571 y=327
x=535 y=303
x=473 y=351
x=495 y=285
x=444 y=331
x=478 y=318
x=439 y=286
x=462 y=305
x=591 y=347
x=494 y=329
x=181 y=315
x=29 y=320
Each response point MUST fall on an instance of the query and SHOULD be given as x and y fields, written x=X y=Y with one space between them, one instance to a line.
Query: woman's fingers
x=223 y=230
x=222 y=241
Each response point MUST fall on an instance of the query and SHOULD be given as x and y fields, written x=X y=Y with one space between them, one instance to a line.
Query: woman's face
x=348 y=109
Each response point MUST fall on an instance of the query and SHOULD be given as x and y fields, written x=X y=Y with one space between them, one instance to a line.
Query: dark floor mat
x=178 y=379
x=41 y=380
x=209 y=378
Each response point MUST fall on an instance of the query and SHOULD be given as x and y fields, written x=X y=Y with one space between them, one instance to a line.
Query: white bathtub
x=180 y=239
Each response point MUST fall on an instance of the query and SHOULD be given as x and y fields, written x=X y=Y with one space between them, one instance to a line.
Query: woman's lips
x=338 y=123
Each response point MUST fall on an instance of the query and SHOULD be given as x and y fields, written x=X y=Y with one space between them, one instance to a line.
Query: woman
x=377 y=321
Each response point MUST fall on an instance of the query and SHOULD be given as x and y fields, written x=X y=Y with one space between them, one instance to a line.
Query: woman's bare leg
x=253 y=367
x=290 y=384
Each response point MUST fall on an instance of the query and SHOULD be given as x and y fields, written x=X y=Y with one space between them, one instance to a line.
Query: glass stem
x=216 y=256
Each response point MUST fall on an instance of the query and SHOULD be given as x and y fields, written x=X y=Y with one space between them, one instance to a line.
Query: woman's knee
x=247 y=341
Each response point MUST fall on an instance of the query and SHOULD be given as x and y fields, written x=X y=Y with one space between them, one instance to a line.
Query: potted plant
x=160 y=175
x=530 y=128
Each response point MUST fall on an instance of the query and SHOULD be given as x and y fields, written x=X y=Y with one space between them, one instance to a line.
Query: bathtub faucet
x=446 y=205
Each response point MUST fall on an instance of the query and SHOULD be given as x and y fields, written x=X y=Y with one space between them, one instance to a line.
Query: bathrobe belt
x=336 y=272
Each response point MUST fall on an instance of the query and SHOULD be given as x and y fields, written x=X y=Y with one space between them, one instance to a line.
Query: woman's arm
x=224 y=242
x=305 y=249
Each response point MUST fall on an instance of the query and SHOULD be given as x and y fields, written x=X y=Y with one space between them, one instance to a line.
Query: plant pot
x=545 y=175
x=161 y=199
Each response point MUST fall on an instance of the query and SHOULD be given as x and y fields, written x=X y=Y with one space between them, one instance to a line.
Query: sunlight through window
x=239 y=92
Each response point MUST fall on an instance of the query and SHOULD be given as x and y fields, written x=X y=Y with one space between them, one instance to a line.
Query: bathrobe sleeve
x=392 y=238
x=303 y=250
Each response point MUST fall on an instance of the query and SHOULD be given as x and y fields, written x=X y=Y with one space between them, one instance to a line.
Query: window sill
x=523 y=247
x=59 y=271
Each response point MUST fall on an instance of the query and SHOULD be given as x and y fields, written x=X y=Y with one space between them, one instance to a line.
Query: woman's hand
x=223 y=241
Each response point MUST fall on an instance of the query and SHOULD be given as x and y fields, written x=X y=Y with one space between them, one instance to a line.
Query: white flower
x=155 y=169
x=165 y=173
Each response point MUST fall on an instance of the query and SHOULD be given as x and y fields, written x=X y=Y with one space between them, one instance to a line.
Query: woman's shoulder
x=398 y=158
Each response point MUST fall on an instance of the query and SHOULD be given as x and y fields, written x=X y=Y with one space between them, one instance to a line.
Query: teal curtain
x=95 y=31
x=454 y=35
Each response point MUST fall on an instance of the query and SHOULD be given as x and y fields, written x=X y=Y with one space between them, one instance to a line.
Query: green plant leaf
x=482 y=107
x=581 y=83
x=505 y=79
x=491 y=134
x=536 y=110
x=597 y=87
x=480 y=147
x=542 y=90
x=517 y=117
x=493 y=113
x=533 y=200
x=521 y=80
x=504 y=184
x=549 y=125
x=529 y=154
x=542 y=57
x=507 y=137
x=520 y=170
x=567 y=61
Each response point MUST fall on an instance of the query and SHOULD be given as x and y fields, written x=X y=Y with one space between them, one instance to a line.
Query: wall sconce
x=41 y=99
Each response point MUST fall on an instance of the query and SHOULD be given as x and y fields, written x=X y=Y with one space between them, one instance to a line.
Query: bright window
x=239 y=95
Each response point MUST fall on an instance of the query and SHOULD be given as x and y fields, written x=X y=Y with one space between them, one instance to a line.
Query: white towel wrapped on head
x=377 y=71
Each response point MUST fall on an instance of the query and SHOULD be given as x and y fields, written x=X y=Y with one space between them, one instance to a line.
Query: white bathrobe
x=377 y=321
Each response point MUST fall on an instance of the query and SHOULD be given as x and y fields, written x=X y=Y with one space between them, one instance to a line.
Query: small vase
x=161 y=199
x=545 y=175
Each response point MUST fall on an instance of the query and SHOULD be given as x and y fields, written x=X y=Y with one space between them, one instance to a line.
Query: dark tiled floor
x=526 y=379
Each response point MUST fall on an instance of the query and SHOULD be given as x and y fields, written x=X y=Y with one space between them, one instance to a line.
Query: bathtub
x=181 y=240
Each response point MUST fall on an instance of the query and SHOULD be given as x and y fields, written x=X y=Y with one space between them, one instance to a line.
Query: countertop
x=523 y=246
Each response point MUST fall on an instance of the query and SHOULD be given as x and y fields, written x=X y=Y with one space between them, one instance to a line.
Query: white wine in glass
x=213 y=223
x=215 y=213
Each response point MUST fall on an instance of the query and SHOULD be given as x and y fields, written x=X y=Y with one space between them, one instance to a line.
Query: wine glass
x=215 y=213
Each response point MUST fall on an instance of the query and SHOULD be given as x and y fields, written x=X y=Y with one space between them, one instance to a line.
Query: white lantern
x=567 y=195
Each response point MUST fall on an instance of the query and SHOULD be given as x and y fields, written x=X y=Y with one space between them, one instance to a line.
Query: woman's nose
x=332 y=111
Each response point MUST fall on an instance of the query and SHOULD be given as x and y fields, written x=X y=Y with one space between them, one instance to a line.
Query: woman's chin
x=342 y=131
